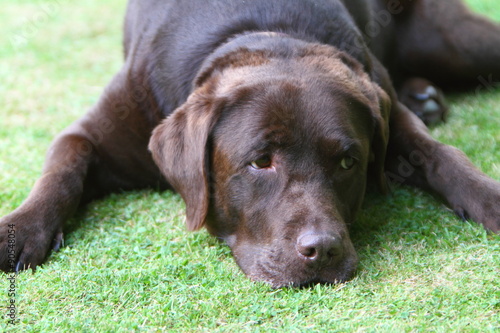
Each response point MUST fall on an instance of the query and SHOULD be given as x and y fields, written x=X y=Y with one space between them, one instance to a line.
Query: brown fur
x=269 y=120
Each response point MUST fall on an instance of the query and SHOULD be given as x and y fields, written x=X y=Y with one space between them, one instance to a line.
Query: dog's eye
x=348 y=163
x=262 y=163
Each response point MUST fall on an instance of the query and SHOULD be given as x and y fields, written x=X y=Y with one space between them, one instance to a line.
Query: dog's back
x=205 y=25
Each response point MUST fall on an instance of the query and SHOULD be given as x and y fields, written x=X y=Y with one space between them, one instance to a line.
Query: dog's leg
x=37 y=224
x=417 y=159
x=104 y=151
x=445 y=42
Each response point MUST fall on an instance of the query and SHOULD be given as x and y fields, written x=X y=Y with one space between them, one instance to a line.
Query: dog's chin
x=296 y=274
x=303 y=282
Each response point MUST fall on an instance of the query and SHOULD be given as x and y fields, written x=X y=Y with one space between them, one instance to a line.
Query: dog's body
x=276 y=112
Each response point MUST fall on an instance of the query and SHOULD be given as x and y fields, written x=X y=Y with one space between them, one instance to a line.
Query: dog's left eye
x=348 y=163
x=262 y=163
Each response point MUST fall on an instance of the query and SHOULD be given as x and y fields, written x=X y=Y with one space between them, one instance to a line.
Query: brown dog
x=268 y=117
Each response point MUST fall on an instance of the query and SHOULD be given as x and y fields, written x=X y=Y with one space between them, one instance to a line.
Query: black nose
x=319 y=248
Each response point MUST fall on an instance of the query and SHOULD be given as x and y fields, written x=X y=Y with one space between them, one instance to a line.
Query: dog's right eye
x=264 y=162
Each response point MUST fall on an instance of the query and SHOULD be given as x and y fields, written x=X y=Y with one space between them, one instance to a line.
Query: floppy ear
x=380 y=104
x=381 y=111
x=180 y=148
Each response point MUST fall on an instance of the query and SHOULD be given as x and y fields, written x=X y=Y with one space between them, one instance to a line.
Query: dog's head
x=271 y=153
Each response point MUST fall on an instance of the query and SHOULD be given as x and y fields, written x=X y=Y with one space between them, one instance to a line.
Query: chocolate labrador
x=268 y=117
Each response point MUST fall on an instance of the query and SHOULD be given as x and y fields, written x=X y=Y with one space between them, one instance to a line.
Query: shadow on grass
x=406 y=214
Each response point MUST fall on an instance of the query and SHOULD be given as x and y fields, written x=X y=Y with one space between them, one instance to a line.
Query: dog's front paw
x=481 y=205
x=25 y=241
x=425 y=100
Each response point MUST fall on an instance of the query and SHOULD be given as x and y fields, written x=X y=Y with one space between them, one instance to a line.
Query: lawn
x=129 y=264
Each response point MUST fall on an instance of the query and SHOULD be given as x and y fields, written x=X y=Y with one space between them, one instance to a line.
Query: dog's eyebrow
x=341 y=146
x=353 y=149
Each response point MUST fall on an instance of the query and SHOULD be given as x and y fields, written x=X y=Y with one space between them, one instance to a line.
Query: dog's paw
x=425 y=100
x=25 y=241
x=482 y=205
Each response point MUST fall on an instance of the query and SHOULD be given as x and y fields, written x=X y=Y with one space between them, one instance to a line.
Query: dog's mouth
x=283 y=269
x=286 y=280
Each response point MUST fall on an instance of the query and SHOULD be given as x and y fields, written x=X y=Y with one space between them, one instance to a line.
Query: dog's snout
x=319 y=248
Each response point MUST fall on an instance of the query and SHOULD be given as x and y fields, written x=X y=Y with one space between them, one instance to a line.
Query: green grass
x=129 y=265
